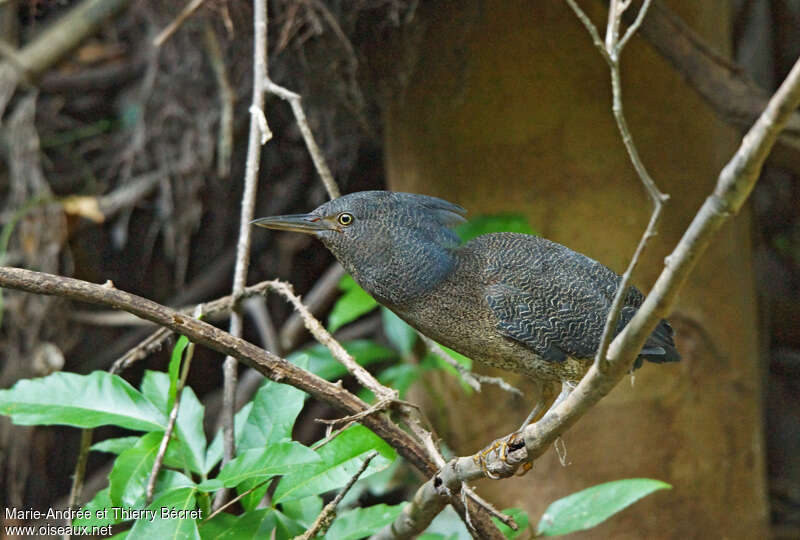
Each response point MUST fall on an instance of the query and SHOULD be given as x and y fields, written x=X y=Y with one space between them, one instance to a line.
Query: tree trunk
x=506 y=107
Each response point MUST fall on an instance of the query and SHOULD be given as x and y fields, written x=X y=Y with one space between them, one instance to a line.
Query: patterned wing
x=551 y=299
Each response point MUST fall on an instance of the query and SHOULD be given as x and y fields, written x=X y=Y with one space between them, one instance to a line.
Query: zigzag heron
x=513 y=301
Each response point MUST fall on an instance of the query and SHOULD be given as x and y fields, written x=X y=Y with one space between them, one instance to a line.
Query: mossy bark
x=507 y=108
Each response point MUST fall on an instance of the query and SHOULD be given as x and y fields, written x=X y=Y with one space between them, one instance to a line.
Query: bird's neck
x=398 y=277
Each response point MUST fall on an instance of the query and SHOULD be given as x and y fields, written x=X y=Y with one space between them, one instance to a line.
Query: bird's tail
x=659 y=347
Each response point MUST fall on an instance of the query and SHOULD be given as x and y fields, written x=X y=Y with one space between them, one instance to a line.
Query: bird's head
x=380 y=235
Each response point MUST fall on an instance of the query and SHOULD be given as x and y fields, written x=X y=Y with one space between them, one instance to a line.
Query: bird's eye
x=345 y=219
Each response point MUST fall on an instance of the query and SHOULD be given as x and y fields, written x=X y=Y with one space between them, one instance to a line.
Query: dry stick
x=226 y=99
x=66 y=33
x=734 y=185
x=323 y=336
x=259 y=135
x=308 y=137
x=170 y=29
x=328 y=514
x=319 y=295
x=610 y=50
x=233 y=501
x=79 y=474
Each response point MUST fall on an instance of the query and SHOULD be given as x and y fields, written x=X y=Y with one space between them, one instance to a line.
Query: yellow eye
x=345 y=219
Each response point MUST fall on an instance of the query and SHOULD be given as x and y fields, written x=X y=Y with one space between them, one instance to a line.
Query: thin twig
x=226 y=101
x=474 y=380
x=610 y=50
x=176 y=23
x=375 y=408
x=316 y=154
x=635 y=26
x=173 y=416
x=328 y=514
x=323 y=336
x=259 y=134
x=79 y=474
x=235 y=499
x=323 y=291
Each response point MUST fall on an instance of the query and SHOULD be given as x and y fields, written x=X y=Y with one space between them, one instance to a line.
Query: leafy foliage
x=590 y=507
x=264 y=453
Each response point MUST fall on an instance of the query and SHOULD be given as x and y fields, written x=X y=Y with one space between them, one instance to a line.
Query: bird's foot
x=500 y=447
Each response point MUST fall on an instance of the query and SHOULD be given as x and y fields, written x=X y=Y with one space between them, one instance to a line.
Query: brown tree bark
x=506 y=107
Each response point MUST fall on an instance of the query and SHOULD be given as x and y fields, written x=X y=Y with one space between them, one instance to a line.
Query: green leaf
x=458 y=357
x=104 y=512
x=82 y=401
x=172 y=518
x=101 y=512
x=448 y=525
x=252 y=499
x=354 y=303
x=519 y=516
x=189 y=427
x=400 y=377
x=128 y=477
x=175 y=368
x=261 y=463
x=275 y=409
x=303 y=511
x=590 y=507
x=503 y=222
x=341 y=458
x=215 y=449
x=398 y=332
x=322 y=363
x=115 y=446
x=189 y=450
x=360 y=522
x=155 y=387
x=255 y=525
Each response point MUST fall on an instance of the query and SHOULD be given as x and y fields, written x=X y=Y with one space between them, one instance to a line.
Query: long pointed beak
x=304 y=223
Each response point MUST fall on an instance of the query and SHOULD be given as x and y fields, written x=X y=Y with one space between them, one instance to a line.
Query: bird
x=514 y=301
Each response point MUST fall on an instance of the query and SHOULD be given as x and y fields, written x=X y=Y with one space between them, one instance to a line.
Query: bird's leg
x=545 y=395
